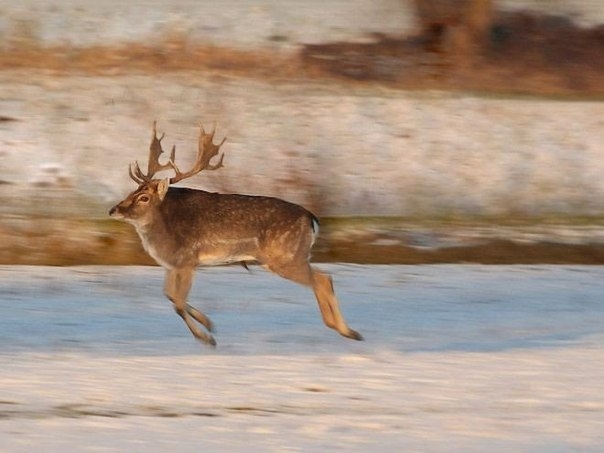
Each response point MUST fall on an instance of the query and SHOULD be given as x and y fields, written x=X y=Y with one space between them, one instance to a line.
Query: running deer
x=182 y=228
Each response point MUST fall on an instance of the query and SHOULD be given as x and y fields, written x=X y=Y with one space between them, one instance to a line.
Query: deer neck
x=155 y=238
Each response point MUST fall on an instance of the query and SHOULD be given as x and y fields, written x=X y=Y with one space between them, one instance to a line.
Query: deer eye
x=144 y=199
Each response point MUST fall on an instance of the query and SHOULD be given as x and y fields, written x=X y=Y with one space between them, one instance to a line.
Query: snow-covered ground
x=456 y=358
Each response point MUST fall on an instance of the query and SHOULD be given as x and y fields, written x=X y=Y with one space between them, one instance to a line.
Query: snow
x=238 y=23
x=456 y=358
x=233 y=23
x=341 y=151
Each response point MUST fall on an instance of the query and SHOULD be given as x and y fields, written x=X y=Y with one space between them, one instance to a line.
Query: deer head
x=137 y=207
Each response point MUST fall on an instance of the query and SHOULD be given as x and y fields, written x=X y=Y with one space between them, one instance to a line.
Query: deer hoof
x=353 y=335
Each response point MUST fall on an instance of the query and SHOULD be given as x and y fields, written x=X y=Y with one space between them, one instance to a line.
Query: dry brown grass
x=167 y=57
x=42 y=241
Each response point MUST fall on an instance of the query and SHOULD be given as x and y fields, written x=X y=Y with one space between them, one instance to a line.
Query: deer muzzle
x=115 y=212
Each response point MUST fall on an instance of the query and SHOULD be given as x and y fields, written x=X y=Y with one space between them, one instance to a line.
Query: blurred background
x=428 y=131
x=419 y=131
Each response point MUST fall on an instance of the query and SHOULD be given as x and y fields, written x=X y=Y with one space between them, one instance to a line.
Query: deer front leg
x=177 y=286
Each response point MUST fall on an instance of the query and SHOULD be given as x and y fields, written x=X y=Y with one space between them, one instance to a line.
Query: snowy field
x=456 y=358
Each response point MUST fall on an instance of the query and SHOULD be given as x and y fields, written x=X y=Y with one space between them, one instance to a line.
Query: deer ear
x=162 y=188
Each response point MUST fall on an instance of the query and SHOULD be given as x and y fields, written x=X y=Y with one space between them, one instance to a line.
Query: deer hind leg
x=322 y=286
x=177 y=286
x=328 y=303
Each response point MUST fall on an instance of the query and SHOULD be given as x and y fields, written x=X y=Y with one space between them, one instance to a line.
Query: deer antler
x=153 y=166
x=206 y=150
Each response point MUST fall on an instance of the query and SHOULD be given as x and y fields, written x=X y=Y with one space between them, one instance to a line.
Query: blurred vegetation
x=460 y=44
x=471 y=45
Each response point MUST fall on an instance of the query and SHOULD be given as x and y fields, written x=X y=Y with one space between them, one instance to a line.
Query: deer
x=183 y=228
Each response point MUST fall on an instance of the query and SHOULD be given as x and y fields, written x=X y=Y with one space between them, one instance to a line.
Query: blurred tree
x=456 y=27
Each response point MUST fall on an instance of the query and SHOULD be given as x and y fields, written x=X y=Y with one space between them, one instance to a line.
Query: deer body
x=182 y=228
x=192 y=227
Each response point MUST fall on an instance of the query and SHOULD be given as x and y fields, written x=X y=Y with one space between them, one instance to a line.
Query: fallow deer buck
x=182 y=228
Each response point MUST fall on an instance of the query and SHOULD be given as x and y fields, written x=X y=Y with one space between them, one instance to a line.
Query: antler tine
x=136 y=174
x=153 y=165
x=206 y=149
x=205 y=152
x=155 y=150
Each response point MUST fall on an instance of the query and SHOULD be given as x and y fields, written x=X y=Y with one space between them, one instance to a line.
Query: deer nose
x=112 y=211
